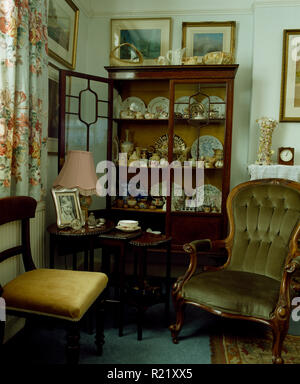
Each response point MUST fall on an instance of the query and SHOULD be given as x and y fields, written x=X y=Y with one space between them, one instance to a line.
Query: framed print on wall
x=290 y=77
x=150 y=36
x=63 y=18
x=204 y=37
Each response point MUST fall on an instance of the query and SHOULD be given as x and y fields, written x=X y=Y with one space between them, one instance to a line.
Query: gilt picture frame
x=152 y=37
x=67 y=206
x=200 y=38
x=290 y=77
x=63 y=18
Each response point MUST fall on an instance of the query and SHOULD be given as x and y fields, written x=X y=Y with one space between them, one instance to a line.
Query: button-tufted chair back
x=264 y=218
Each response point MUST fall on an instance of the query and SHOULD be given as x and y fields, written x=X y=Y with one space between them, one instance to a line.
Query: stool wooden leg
x=73 y=347
x=121 y=287
x=100 y=311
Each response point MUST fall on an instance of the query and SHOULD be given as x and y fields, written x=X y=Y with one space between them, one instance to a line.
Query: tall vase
x=265 y=151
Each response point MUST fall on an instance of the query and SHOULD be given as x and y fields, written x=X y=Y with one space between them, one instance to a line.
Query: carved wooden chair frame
x=279 y=320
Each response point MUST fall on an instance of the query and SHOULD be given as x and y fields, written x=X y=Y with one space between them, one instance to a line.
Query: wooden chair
x=262 y=246
x=61 y=295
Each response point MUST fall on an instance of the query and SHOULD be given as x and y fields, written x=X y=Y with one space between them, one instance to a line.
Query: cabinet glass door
x=199 y=113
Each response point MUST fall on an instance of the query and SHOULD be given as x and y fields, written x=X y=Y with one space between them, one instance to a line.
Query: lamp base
x=85 y=202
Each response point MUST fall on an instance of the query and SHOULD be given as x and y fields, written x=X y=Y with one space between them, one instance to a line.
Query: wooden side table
x=144 y=294
x=73 y=241
x=117 y=240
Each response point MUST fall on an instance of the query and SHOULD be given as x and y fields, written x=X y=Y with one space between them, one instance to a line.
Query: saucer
x=127 y=229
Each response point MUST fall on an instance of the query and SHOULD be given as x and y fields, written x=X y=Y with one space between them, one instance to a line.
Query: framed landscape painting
x=150 y=36
x=63 y=31
x=202 y=38
x=290 y=78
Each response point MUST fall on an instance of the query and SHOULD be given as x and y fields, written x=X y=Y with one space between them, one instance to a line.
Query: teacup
x=128 y=224
x=149 y=115
x=139 y=115
x=127 y=114
x=162 y=60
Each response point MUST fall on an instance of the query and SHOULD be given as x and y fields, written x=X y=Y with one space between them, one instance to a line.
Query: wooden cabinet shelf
x=206 y=87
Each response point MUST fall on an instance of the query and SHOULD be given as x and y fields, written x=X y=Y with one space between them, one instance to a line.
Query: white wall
x=267 y=62
x=99 y=48
x=260 y=27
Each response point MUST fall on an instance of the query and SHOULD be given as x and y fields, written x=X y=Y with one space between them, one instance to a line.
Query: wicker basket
x=116 y=61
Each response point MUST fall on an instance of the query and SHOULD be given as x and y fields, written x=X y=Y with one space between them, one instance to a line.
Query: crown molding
x=276 y=3
x=168 y=13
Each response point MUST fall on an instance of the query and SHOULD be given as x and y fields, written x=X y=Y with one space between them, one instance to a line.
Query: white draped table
x=290 y=172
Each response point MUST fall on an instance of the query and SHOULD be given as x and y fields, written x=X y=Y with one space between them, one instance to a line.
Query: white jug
x=175 y=56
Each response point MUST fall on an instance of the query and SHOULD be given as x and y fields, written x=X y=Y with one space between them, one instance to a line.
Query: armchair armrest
x=192 y=249
x=293 y=264
x=198 y=246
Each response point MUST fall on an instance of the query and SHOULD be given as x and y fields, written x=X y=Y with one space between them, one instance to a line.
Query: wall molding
x=276 y=3
x=86 y=7
x=168 y=13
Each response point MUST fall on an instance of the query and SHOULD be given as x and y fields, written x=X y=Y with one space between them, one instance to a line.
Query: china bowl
x=128 y=223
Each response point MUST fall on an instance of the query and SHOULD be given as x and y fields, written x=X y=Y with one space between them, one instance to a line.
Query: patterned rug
x=231 y=347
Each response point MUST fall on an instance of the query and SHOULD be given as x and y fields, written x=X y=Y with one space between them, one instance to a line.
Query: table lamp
x=79 y=172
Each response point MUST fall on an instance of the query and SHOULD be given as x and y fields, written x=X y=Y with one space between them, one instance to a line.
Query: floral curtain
x=23 y=97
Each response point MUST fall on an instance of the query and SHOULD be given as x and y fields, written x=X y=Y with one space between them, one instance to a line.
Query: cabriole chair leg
x=176 y=328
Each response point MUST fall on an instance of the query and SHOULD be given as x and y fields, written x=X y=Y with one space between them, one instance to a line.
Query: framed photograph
x=290 y=77
x=63 y=18
x=202 y=38
x=67 y=207
x=150 y=36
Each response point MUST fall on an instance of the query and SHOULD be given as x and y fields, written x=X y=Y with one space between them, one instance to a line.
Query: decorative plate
x=159 y=105
x=212 y=196
x=134 y=104
x=117 y=105
x=207 y=144
x=178 y=198
x=220 y=108
x=183 y=107
x=161 y=145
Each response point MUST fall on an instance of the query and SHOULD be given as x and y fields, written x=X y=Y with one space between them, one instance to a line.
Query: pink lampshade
x=78 y=172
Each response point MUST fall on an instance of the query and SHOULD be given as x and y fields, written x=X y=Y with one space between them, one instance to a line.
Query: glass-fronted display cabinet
x=172 y=126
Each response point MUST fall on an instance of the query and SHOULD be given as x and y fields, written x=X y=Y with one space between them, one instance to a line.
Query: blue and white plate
x=207 y=145
x=212 y=196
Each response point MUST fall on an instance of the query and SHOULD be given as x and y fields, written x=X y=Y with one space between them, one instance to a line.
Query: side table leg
x=121 y=287
x=140 y=317
x=142 y=260
x=74 y=261
x=52 y=251
x=91 y=255
x=168 y=284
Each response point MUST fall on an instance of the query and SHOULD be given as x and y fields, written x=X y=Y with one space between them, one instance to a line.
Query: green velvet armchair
x=262 y=245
